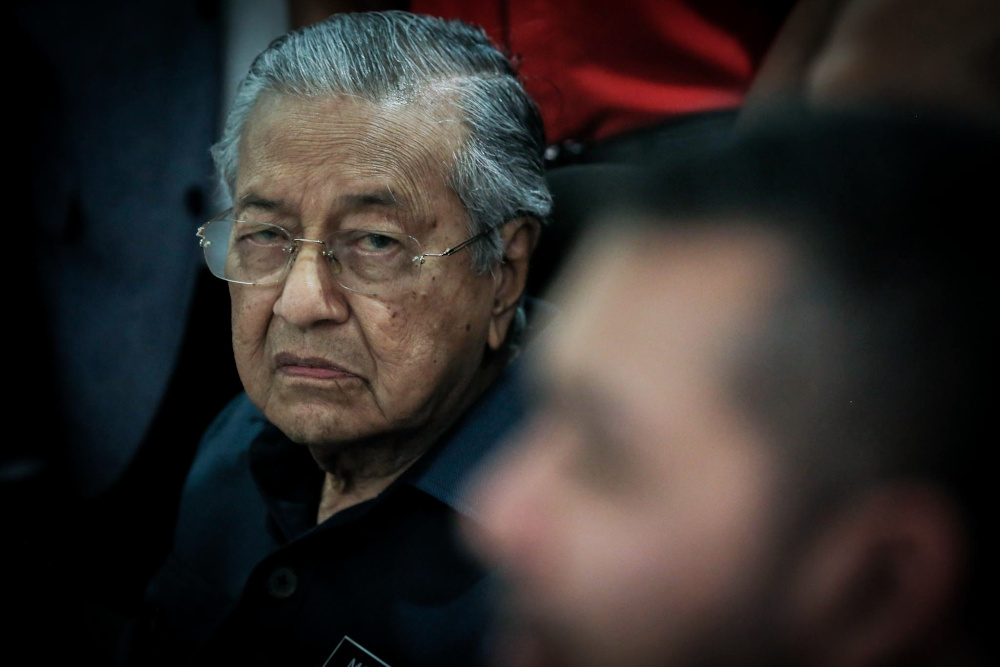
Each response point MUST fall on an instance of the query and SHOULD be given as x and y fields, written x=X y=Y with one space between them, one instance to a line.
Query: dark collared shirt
x=252 y=579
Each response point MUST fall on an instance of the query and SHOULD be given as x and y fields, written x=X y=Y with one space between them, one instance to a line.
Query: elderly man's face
x=637 y=514
x=327 y=365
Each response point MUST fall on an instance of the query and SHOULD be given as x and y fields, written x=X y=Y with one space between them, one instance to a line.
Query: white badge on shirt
x=349 y=653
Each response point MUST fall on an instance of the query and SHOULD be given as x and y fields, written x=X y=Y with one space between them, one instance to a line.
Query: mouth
x=300 y=366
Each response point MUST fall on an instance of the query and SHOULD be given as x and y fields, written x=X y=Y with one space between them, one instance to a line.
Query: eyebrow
x=252 y=200
x=606 y=453
x=375 y=198
x=587 y=405
x=575 y=397
x=348 y=203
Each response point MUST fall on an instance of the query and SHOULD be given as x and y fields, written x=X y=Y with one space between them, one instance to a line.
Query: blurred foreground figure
x=760 y=412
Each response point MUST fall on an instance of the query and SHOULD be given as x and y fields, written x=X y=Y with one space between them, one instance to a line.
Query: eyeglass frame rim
x=419 y=260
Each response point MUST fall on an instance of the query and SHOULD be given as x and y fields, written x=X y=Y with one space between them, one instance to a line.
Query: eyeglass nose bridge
x=327 y=252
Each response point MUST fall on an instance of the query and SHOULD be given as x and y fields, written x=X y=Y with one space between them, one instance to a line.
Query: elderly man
x=759 y=418
x=387 y=188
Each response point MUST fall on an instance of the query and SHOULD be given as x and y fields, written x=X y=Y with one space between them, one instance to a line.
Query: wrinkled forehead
x=414 y=135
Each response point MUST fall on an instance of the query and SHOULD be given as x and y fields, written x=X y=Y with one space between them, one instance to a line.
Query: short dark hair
x=878 y=359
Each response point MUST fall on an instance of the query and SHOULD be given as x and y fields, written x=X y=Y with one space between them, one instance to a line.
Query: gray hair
x=385 y=57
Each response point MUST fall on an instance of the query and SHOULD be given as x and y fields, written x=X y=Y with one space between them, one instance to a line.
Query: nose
x=513 y=498
x=311 y=294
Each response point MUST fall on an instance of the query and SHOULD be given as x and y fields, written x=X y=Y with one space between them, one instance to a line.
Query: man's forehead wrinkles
x=348 y=202
x=413 y=137
x=408 y=152
x=318 y=162
x=353 y=183
x=393 y=165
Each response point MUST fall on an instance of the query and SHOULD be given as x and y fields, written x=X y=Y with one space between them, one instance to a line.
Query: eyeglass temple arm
x=451 y=251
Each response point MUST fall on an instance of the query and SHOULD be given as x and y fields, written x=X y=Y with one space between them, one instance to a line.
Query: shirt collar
x=290 y=481
x=442 y=471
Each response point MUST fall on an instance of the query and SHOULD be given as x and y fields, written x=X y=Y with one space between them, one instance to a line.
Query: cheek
x=615 y=567
x=616 y=558
x=251 y=316
x=684 y=562
x=424 y=329
x=397 y=333
x=599 y=589
x=582 y=552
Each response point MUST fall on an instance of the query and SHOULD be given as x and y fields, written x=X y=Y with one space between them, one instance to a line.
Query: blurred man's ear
x=879 y=585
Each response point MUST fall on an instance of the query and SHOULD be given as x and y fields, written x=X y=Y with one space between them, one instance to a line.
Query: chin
x=308 y=428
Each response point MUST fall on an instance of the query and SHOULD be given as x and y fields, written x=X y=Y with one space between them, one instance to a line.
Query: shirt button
x=282 y=582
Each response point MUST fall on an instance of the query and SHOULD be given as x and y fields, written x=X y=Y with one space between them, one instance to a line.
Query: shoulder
x=232 y=431
x=219 y=480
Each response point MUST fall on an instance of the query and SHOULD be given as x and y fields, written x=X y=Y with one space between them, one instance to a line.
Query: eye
x=261 y=235
x=601 y=456
x=373 y=242
x=264 y=237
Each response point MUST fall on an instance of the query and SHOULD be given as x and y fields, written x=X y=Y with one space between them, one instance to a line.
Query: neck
x=363 y=470
x=338 y=495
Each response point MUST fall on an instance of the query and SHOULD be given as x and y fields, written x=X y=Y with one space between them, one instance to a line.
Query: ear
x=519 y=239
x=880 y=583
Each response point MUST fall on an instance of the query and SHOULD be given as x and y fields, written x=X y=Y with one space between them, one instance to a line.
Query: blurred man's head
x=755 y=412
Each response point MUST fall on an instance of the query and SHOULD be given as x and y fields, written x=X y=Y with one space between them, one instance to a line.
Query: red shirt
x=598 y=69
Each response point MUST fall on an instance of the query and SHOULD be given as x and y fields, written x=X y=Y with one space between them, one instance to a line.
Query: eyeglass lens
x=261 y=254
